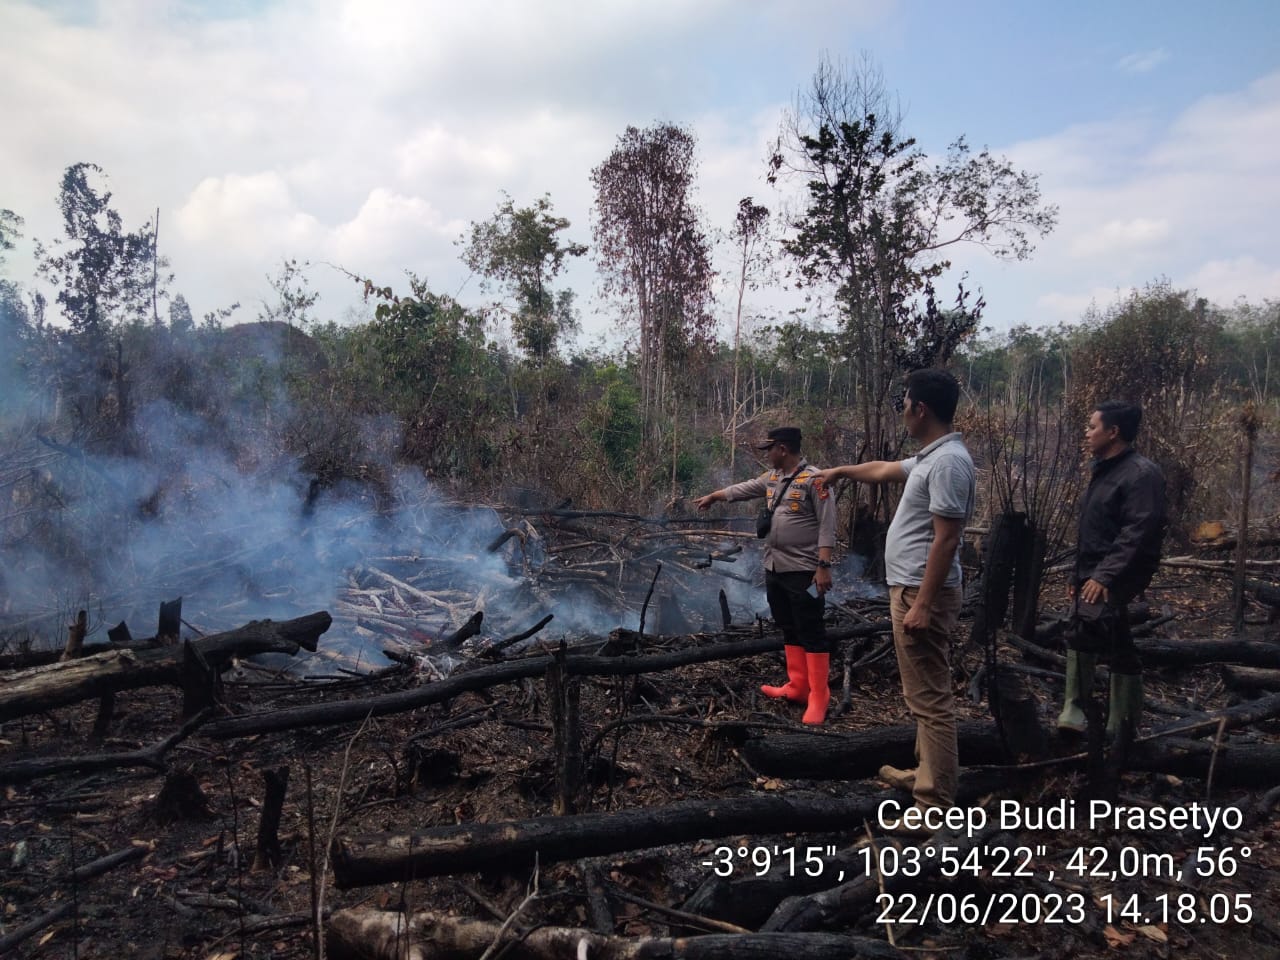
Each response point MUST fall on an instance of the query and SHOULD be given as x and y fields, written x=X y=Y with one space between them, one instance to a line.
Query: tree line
x=421 y=380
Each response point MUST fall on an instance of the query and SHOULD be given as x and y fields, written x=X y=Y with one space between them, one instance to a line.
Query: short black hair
x=1126 y=416
x=936 y=389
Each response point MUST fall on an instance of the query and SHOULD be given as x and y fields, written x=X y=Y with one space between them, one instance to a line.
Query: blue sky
x=370 y=134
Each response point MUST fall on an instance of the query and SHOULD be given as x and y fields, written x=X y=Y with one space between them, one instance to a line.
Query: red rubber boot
x=797 y=686
x=818 y=665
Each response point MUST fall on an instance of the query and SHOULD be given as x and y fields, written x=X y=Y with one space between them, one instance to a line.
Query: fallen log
x=1231 y=718
x=748 y=899
x=845 y=903
x=459 y=636
x=64 y=683
x=14 y=937
x=1217 y=566
x=22 y=771
x=1180 y=653
x=1250 y=678
x=364 y=934
x=516 y=844
x=854 y=756
x=501 y=645
x=1237 y=764
x=353 y=711
x=97 y=868
x=1176 y=653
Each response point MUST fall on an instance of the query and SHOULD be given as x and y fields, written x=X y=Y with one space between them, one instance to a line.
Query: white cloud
x=1119 y=236
x=1223 y=281
x=1142 y=62
x=386 y=224
x=371 y=132
x=1194 y=199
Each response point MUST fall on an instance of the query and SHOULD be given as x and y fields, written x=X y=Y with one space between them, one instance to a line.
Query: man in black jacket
x=1122 y=523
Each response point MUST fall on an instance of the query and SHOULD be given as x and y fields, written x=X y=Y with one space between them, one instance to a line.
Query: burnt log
x=564 y=697
x=96 y=868
x=1236 y=764
x=514 y=845
x=65 y=683
x=846 y=903
x=496 y=648
x=1181 y=653
x=169 y=622
x=459 y=636
x=1231 y=718
x=267 y=852
x=354 y=711
x=200 y=682
x=1178 y=653
x=1267 y=594
x=22 y=771
x=11 y=939
x=1250 y=678
x=377 y=935
x=814 y=756
x=750 y=900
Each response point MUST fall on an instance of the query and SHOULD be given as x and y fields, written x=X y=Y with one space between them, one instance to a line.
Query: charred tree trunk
x=513 y=845
x=1026 y=584
x=75 y=637
x=563 y=696
x=267 y=852
x=353 y=711
x=859 y=755
x=61 y=684
x=1250 y=678
x=374 y=935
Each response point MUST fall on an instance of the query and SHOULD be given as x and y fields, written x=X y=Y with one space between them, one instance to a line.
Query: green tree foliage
x=423 y=357
x=876 y=221
x=1156 y=347
x=521 y=250
x=103 y=274
x=1251 y=357
x=15 y=321
x=294 y=298
x=180 y=319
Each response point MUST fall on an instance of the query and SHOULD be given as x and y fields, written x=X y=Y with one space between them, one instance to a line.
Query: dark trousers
x=1104 y=631
x=797 y=614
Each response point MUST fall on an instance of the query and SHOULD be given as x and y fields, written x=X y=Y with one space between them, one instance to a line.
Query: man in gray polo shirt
x=922 y=567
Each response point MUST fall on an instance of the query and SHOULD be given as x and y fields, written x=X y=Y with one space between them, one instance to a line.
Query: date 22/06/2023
x=1108 y=863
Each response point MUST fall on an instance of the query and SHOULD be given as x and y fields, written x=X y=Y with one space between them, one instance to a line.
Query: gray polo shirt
x=940 y=480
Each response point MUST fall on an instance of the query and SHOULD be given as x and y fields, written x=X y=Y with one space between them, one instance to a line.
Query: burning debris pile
x=488 y=585
x=431 y=581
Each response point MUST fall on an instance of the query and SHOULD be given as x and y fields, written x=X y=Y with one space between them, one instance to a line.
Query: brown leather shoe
x=898 y=779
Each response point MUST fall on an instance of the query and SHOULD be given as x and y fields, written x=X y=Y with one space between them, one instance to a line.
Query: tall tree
x=14 y=317
x=521 y=249
x=103 y=274
x=653 y=253
x=749 y=236
x=877 y=218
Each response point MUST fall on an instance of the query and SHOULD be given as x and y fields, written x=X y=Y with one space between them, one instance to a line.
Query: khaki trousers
x=924 y=663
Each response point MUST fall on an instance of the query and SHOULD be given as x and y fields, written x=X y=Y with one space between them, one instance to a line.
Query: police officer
x=801 y=520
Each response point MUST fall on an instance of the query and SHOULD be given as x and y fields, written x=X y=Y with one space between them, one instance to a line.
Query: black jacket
x=1122 y=524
